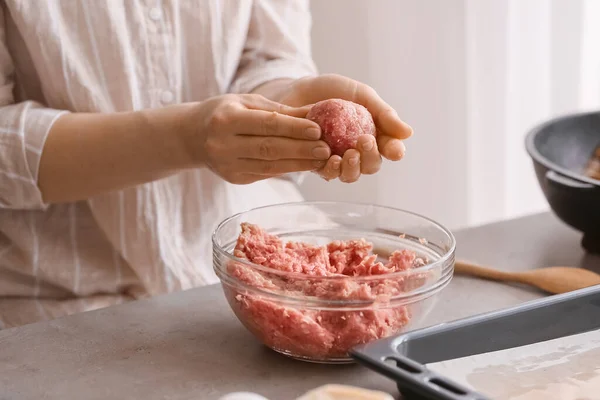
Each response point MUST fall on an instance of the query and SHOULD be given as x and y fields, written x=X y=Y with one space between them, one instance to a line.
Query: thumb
x=390 y=124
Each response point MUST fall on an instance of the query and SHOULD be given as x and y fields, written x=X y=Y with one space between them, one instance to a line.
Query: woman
x=129 y=129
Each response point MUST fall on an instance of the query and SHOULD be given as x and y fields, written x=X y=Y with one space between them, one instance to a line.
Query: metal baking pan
x=402 y=357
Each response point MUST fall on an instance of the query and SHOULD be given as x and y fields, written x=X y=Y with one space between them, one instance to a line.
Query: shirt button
x=155 y=14
x=166 y=96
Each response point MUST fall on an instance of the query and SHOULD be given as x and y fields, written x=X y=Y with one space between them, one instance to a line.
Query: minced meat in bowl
x=311 y=280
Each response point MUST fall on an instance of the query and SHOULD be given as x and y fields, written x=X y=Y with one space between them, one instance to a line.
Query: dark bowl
x=561 y=149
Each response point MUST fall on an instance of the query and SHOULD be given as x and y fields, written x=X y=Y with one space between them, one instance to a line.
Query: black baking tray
x=402 y=357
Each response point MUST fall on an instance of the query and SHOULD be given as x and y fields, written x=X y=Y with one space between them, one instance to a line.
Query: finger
x=350 y=169
x=391 y=148
x=370 y=159
x=332 y=169
x=258 y=102
x=385 y=117
x=279 y=167
x=272 y=123
x=279 y=148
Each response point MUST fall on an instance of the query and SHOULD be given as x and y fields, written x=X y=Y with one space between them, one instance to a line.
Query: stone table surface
x=189 y=345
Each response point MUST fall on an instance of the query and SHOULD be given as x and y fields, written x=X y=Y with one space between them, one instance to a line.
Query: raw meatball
x=341 y=122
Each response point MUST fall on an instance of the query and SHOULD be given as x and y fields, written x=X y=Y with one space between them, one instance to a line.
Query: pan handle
x=557 y=179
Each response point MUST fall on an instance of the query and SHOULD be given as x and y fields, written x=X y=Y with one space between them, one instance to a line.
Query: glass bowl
x=319 y=318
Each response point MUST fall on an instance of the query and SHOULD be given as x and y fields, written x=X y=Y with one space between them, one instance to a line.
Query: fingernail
x=321 y=153
x=336 y=165
x=312 y=133
x=401 y=150
x=397 y=150
x=353 y=161
x=368 y=145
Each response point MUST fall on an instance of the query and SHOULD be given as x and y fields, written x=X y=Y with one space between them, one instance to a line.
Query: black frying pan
x=561 y=150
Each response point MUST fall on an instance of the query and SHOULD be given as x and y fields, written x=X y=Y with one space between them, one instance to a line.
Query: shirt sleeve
x=277 y=45
x=24 y=127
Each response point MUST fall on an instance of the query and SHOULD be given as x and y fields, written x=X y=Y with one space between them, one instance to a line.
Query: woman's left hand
x=366 y=159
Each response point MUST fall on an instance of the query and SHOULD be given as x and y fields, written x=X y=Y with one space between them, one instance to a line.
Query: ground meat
x=593 y=168
x=318 y=333
x=341 y=122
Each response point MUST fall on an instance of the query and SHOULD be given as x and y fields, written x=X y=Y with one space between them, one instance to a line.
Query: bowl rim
x=447 y=256
x=535 y=154
x=315 y=303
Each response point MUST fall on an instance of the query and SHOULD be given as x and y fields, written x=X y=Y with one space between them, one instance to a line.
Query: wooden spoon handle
x=467 y=268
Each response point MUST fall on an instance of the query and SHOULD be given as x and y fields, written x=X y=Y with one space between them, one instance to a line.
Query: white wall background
x=471 y=77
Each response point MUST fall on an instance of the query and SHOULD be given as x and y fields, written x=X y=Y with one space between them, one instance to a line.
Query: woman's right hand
x=247 y=138
x=243 y=138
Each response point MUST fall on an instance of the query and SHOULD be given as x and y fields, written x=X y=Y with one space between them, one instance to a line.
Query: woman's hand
x=366 y=159
x=246 y=138
x=242 y=138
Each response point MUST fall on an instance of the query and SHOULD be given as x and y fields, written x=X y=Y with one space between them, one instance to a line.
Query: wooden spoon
x=551 y=279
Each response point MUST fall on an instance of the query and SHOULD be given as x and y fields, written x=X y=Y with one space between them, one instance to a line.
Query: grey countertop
x=189 y=345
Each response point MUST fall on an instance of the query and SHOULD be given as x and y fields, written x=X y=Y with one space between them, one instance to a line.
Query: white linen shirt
x=61 y=56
